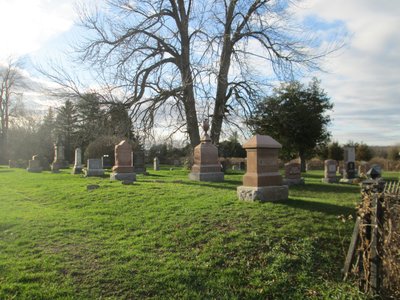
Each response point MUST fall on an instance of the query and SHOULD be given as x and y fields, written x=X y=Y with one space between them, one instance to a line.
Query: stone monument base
x=35 y=169
x=289 y=182
x=330 y=180
x=349 y=181
x=263 y=194
x=211 y=176
x=76 y=170
x=94 y=172
x=123 y=176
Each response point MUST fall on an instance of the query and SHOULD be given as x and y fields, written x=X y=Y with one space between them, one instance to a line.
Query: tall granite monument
x=123 y=168
x=349 y=171
x=77 y=169
x=206 y=165
x=262 y=181
x=330 y=171
x=59 y=158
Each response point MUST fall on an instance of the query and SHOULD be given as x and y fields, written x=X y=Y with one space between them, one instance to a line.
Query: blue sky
x=362 y=79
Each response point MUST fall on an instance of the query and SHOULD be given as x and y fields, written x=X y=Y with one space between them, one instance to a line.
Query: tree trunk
x=302 y=162
x=222 y=84
x=187 y=80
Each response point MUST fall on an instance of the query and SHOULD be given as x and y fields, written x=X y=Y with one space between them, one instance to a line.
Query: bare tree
x=192 y=59
x=11 y=82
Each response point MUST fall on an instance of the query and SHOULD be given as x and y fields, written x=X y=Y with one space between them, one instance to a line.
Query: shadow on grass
x=327 y=188
x=154 y=175
x=327 y=208
x=232 y=184
x=313 y=176
x=6 y=170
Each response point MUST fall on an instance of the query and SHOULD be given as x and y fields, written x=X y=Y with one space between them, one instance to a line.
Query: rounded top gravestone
x=123 y=155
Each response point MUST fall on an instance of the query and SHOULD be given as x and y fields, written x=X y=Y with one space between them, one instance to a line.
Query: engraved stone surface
x=206 y=166
x=123 y=168
x=263 y=194
x=77 y=169
x=293 y=174
x=349 y=162
x=156 y=164
x=139 y=160
x=34 y=165
x=330 y=171
x=262 y=180
x=94 y=167
x=59 y=159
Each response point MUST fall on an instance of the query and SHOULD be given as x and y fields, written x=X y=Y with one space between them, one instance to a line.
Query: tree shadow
x=326 y=208
x=315 y=176
x=327 y=188
x=149 y=175
x=216 y=185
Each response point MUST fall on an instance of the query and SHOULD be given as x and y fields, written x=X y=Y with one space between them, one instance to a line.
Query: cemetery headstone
x=77 y=169
x=123 y=168
x=156 y=164
x=349 y=172
x=330 y=171
x=206 y=165
x=139 y=160
x=59 y=158
x=293 y=174
x=262 y=180
x=107 y=162
x=34 y=165
x=375 y=172
x=94 y=167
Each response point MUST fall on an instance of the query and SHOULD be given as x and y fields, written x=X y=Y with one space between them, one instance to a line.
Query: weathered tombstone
x=106 y=161
x=330 y=171
x=59 y=159
x=12 y=164
x=77 y=169
x=94 y=167
x=350 y=162
x=293 y=174
x=156 y=164
x=123 y=168
x=139 y=161
x=262 y=181
x=349 y=172
x=375 y=172
x=34 y=165
x=206 y=165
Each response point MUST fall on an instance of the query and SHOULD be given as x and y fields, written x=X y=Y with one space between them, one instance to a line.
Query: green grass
x=168 y=237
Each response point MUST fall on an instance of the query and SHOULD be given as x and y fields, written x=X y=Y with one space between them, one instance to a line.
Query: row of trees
x=363 y=152
x=74 y=124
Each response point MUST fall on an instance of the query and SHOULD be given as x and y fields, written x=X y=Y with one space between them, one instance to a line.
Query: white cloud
x=25 y=25
x=363 y=82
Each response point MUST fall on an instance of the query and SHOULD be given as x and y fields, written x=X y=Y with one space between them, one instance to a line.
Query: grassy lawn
x=168 y=237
